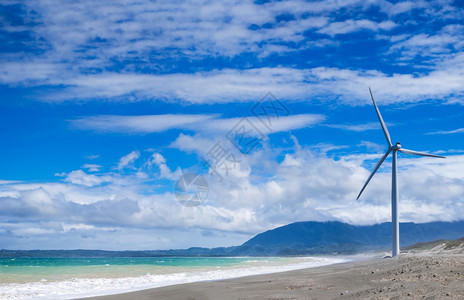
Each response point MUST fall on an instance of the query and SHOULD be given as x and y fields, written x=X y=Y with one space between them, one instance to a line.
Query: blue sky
x=105 y=105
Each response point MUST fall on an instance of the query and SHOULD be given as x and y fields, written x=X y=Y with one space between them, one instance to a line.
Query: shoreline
x=116 y=276
x=241 y=272
x=408 y=276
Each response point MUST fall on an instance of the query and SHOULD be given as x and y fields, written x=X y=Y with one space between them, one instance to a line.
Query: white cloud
x=258 y=194
x=158 y=160
x=372 y=146
x=7 y=181
x=75 y=57
x=403 y=7
x=92 y=167
x=217 y=86
x=140 y=124
x=102 y=32
x=358 y=128
x=400 y=7
x=78 y=235
x=429 y=45
x=193 y=144
x=203 y=123
x=28 y=72
x=82 y=178
x=293 y=122
x=459 y=130
x=128 y=159
x=96 y=51
x=350 y=26
x=224 y=86
x=92 y=156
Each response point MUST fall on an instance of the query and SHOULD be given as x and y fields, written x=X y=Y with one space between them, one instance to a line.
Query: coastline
x=408 y=276
x=67 y=278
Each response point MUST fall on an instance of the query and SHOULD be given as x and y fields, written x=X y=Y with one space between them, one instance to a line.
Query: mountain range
x=301 y=238
x=337 y=237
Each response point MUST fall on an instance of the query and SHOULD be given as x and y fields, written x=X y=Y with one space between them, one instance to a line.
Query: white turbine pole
x=394 y=207
x=394 y=196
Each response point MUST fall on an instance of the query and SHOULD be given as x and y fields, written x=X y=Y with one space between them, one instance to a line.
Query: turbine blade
x=406 y=151
x=382 y=123
x=377 y=166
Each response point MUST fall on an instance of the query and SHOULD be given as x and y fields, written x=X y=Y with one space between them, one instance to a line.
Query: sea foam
x=86 y=287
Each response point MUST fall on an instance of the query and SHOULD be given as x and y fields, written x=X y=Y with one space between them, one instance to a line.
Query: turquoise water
x=22 y=270
x=64 y=278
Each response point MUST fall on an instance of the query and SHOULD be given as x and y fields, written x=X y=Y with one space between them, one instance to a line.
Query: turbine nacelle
x=397 y=146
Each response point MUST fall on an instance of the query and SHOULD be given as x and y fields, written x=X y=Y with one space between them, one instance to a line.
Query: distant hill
x=301 y=238
x=330 y=237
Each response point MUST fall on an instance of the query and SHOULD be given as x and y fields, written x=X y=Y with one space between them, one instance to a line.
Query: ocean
x=65 y=278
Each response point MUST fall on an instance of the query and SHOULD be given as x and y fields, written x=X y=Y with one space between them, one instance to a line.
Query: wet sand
x=408 y=276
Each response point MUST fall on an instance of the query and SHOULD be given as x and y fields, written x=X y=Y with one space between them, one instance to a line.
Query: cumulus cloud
x=165 y=172
x=150 y=51
x=258 y=193
x=82 y=178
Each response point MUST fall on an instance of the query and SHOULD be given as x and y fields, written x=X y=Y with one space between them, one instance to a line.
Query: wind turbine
x=394 y=195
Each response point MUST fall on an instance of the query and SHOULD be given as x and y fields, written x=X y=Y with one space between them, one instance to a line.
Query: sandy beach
x=408 y=276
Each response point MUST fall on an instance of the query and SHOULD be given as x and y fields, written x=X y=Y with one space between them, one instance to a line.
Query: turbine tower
x=394 y=195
